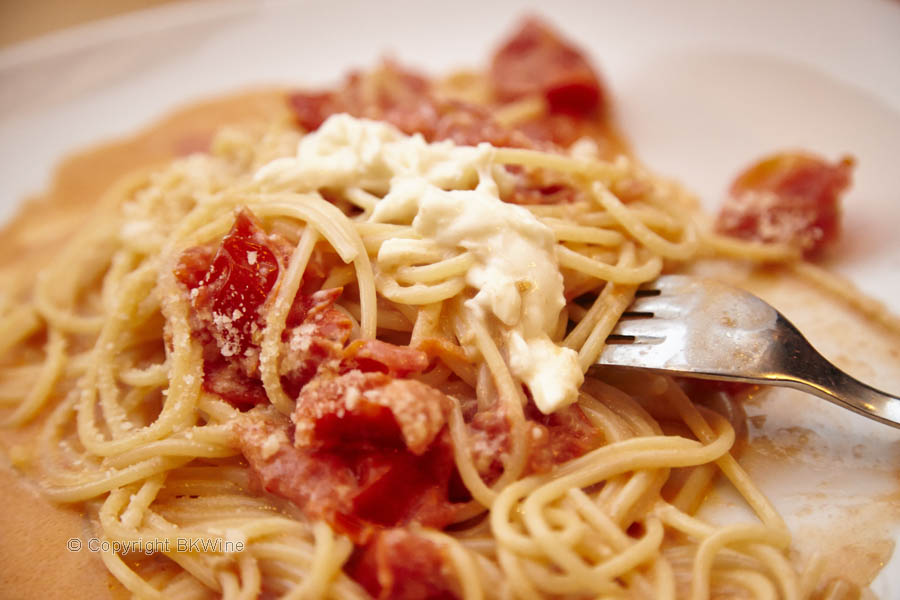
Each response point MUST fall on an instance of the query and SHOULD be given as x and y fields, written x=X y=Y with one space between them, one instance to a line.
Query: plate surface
x=699 y=90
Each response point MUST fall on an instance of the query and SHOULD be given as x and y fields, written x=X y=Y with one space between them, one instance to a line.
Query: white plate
x=701 y=88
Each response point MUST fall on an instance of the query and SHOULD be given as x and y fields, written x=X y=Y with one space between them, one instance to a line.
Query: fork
x=702 y=328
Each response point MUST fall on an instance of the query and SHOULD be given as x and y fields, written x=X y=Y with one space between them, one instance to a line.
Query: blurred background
x=21 y=20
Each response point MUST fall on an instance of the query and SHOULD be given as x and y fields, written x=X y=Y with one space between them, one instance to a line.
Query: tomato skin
x=534 y=62
x=537 y=61
x=311 y=109
x=377 y=356
x=241 y=276
x=228 y=289
x=401 y=565
x=790 y=198
x=364 y=451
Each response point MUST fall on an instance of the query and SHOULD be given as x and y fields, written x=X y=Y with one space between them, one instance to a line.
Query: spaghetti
x=363 y=357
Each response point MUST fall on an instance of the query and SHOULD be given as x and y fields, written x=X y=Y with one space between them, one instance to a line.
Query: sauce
x=834 y=476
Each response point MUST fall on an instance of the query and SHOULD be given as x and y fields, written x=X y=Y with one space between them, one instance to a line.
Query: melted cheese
x=449 y=194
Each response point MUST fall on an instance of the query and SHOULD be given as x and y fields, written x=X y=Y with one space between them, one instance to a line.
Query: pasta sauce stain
x=834 y=476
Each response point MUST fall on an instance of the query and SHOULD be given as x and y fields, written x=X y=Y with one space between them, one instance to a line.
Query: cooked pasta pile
x=576 y=482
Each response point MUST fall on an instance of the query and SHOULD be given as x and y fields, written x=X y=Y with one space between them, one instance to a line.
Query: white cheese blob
x=350 y=152
x=516 y=275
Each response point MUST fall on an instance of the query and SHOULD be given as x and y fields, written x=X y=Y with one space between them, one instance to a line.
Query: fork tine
x=659 y=306
x=647 y=329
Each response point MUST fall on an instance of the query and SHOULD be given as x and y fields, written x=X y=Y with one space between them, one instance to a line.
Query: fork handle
x=811 y=372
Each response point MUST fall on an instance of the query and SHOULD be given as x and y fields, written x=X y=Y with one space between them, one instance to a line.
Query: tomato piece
x=396 y=487
x=315 y=334
x=193 y=265
x=349 y=410
x=392 y=94
x=537 y=61
x=405 y=100
x=377 y=356
x=229 y=380
x=368 y=452
x=311 y=109
x=559 y=437
x=236 y=283
x=402 y=565
x=791 y=198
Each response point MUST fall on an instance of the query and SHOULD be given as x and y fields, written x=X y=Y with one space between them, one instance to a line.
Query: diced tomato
x=317 y=308
x=398 y=487
x=537 y=61
x=228 y=287
x=378 y=356
x=229 y=380
x=552 y=439
x=562 y=130
x=392 y=94
x=317 y=338
x=332 y=412
x=551 y=194
x=193 y=265
x=318 y=482
x=401 y=565
x=311 y=109
x=228 y=297
x=322 y=262
x=790 y=198
x=301 y=362
x=469 y=125
x=489 y=441
x=559 y=437
x=315 y=335
x=360 y=409
x=390 y=86
x=405 y=100
x=378 y=444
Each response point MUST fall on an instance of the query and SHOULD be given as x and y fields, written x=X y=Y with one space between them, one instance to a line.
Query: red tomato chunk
x=536 y=61
x=228 y=293
x=406 y=101
x=789 y=198
x=358 y=440
x=401 y=565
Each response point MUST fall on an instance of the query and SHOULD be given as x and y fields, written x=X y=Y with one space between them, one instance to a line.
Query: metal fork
x=702 y=328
